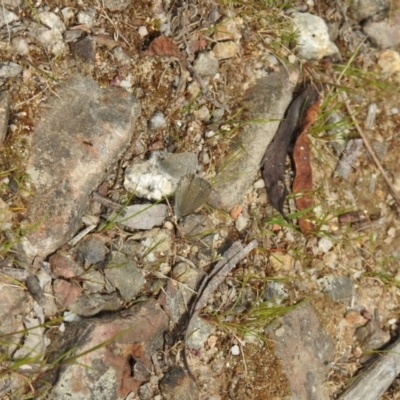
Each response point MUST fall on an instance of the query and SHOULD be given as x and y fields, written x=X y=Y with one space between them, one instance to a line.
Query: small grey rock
x=339 y=288
x=124 y=275
x=9 y=69
x=91 y=250
x=51 y=20
x=206 y=64
x=143 y=216
x=7 y=17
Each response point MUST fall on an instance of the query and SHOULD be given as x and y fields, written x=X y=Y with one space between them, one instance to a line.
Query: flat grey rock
x=82 y=132
x=266 y=102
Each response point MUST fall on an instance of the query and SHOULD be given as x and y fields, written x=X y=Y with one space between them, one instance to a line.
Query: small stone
x=142 y=216
x=384 y=33
x=7 y=17
x=325 y=244
x=117 y=5
x=5 y=216
x=20 y=45
x=9 y=69
x=52 y=39
x=389 y=61
x=355 y=319
x=92 y=250
x=124 y=275
x=51 y=20
x=363 y=9
x=87 y=17
x=68 y=14
x=227 y=30
x=203 y=114
x=72 y=35
x=241 y=223
x=121 y=56
x=235 y=350
x=210 y=134
x=275 y=292
x=157 y=121
x=225 y=50
x=313 y=41
x=206 y=64
x=143 y=31
x=199 y=333
x=339 y=288
x=282 y=262
x=259 y=184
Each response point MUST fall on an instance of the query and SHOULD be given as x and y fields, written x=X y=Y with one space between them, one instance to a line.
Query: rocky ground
x=112 y=286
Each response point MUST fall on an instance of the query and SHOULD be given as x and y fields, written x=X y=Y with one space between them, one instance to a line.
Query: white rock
x=225 y=50
x=389 y=61
x=51 y=20
x=87 y=17
x=313 y=41
x=325 y=244
x=20 y=45
x=9 y=69
x=241 y=223
x=235 y=350
x=52 y=39
x=157 y=120
x=143 y=216
x=68 y=14
x=147 y=180
x=143 y=31
x=259 y=184
x=7 y=17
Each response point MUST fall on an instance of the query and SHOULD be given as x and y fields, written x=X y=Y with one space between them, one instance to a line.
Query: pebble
x=389 y=61
x=157 y=121
x=87 y=17
x=209 y=134
x=51 y=20
x=68 y=14
x=235 y=350
x=259 y=184
x=225 y=50
x=241 y=223
x=363 y=9
x=143 y=31
x=52 y=39
x=206 y=64
x=9 y=69
x=325 y=245
x=313 y=41
x=7 y=17
x=20 y=45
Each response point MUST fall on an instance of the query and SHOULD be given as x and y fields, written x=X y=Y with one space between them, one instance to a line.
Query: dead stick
x=367 y=145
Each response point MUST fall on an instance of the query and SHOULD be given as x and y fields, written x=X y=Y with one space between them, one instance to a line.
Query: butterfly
x=192 y=193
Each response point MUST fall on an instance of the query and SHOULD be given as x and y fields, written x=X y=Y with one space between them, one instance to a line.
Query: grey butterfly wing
x=178 y=165
x=192 y=192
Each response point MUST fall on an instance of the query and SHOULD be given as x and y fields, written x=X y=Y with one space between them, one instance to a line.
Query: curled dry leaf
x=163 y=47
x=273 y=164
x=303 y=181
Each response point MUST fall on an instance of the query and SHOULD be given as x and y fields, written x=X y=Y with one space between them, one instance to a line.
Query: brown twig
x=367 y=145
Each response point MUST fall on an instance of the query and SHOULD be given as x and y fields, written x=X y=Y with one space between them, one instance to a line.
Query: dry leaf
x=303 y=180
x=273 y=164
x=163 y=46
